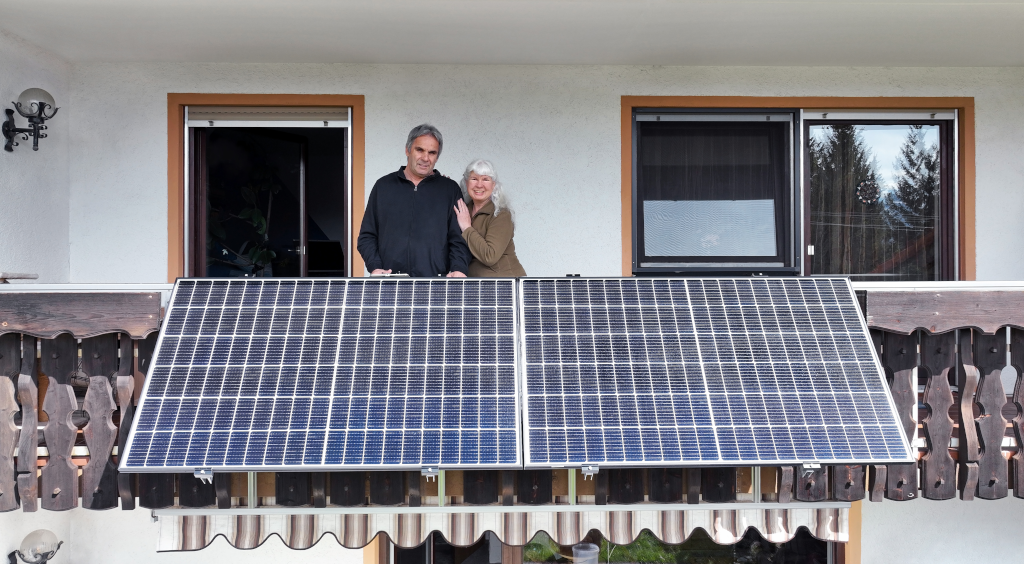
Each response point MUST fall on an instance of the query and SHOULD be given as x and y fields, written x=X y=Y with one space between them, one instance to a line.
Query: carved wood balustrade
x=72 y=365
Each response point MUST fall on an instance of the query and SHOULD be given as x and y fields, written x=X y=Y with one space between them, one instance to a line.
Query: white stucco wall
x=130 y=537
x=924 y=531
x=553 y=131
x=34 y=196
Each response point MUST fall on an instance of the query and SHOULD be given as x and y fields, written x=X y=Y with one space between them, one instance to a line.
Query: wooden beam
x=84 y=315
x=942 y=311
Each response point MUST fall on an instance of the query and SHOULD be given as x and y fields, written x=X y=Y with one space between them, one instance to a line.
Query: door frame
x=176 y=160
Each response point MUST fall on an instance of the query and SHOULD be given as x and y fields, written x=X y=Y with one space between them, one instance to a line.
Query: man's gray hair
x=498 y=196
x=421 y=130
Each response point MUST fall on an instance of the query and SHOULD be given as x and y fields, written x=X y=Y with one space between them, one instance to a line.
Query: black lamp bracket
x=34 y=130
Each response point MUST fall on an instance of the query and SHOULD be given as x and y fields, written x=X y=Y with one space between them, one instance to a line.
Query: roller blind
x=263 y=116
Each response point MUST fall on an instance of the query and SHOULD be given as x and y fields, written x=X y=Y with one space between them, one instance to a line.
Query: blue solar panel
x=704 y=372
x=327 y=374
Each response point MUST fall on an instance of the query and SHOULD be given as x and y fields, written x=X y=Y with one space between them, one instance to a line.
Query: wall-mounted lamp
x=38 y=547
x=37 y=106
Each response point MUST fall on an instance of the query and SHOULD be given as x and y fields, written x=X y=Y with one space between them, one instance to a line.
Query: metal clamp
x=430 y=473
x=808 y=468
x=204 y=474
x=589 y=470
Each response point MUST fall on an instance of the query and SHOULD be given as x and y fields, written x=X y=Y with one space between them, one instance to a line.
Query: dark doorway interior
x=269 y=202
x=436 y=550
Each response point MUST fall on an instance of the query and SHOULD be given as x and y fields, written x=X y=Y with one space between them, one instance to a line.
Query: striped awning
x=463 y=528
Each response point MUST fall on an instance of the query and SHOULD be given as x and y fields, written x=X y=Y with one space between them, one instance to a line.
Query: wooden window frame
x=176 y=103
x=964 y=214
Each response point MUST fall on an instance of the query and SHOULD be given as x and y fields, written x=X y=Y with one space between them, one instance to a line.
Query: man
x=410 y=224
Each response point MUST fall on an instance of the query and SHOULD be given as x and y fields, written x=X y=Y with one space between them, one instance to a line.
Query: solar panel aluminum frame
x=518 y=464
x=525 y=417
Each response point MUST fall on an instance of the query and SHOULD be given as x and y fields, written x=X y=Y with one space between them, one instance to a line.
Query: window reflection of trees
x=894 y=236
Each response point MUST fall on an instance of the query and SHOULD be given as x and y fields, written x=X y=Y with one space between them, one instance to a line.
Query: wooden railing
x=72 y=361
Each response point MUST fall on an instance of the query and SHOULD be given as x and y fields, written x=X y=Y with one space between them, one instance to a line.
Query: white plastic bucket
x=585 y=553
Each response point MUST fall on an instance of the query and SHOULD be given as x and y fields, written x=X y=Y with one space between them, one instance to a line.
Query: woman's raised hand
x=462 y=213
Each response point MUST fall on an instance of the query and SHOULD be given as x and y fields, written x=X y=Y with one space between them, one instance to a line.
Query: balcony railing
x=73 y=358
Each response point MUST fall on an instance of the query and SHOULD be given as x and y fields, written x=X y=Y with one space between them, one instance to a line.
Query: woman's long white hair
x=498 y=196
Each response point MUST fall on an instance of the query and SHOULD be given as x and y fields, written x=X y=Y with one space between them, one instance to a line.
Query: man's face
x=422 y=156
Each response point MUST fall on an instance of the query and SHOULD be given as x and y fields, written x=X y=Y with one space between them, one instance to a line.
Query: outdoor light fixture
x=38 y=546
x=37 y=106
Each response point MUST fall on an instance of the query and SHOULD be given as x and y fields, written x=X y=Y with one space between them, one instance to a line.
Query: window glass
x=712 y=191
x=875 y=194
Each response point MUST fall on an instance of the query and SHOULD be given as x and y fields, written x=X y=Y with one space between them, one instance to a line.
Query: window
x=872 y=195
x=713 y=192
x=879 y=195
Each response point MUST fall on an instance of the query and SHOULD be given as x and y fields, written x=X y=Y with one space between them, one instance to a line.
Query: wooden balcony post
x=938 y=470
x=968 y=378
x=60 y=476
x=28 y=443
x=848 y=483
x=10 y=364
x=155 y=490
x=99 y=481
x=1017 y=360
x=899 y=357
x=125 y=388
x=990 y=358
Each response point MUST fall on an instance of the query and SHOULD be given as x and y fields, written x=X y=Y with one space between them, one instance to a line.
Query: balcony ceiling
x=649 y=32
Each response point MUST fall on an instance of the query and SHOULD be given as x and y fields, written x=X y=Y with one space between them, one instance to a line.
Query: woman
x=487 y=227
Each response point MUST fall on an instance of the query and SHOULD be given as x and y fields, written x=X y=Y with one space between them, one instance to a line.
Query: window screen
x=712 y=191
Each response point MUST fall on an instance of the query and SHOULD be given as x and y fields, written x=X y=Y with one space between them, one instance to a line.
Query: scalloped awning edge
x=195 y=532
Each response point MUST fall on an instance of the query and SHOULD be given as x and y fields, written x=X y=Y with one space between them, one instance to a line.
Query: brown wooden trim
x=965 y=180
x=968 y=266
x=176 y=103
x=851 y=549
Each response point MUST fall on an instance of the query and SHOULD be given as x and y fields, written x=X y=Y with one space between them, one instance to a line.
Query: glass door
x=268 y=201
x=879 y=198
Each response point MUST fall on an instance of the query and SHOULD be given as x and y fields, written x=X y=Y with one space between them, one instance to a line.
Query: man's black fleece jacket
x=413 y=229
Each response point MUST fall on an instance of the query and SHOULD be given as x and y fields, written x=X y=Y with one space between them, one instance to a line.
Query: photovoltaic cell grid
x=635 y=372
x=278 y=374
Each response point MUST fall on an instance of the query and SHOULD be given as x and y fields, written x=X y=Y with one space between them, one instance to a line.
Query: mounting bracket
x=204 y=474
x=589 y=470
x=808 y=468
x=430 y=473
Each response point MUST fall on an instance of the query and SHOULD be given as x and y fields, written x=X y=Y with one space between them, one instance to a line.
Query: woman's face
x=479 y=187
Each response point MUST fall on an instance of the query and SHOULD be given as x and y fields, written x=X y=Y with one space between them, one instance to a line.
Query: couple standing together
x=421 y=223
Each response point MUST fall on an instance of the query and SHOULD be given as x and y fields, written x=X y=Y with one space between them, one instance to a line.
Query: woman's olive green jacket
x=490 y=240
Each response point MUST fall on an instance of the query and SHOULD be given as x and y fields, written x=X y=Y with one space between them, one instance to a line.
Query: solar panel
x=701 y=372
x=281 y=374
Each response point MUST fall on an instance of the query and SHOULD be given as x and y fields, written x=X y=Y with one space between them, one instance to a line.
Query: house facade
x=104 y=199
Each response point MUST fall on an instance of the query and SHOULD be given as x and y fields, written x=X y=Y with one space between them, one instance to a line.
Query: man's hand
x=455 y=274
x=380 y=271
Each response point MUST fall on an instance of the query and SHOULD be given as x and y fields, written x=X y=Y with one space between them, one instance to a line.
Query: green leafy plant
x=698 y=549
x=254 y=255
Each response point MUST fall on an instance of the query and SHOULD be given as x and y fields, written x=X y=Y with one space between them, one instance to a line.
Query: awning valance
x=461 y=528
